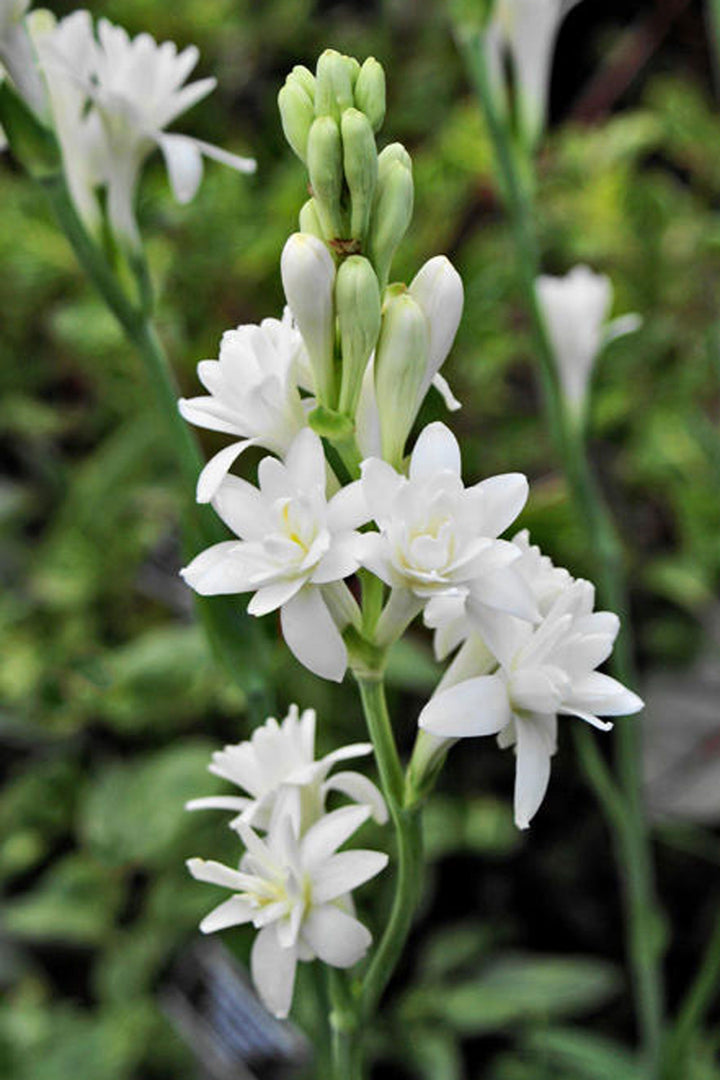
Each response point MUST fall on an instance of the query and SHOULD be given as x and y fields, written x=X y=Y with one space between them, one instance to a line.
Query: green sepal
x=329 y=424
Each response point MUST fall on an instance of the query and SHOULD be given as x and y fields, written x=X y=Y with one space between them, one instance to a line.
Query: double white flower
x=279 y=757
x=294 y=545
x=437 y=546
x=540 y=671
x=575 y=309
x=253 y=393
x=134 y=88
x=295 y=888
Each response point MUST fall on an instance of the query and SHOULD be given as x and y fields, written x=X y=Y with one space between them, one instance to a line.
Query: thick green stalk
x=232 y=633
x=624 y=804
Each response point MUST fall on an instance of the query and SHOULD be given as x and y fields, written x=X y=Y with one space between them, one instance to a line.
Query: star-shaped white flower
x=438 y=540
x=278 y=756
x=293 y=544
x=295 y=889
x=253 y=393
x=542 y=671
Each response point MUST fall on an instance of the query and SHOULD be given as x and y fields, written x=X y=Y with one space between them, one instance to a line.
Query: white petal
x=273 y=971
x=219 y=802
x=503 y=497
x=340 y=562
x=324 y=837
x=215 y=873
x=344 y=872
x=475 y=707
x=233 y=912
x=219 y=570
x=624 y=324
x=207 y=412
x=184 y=165
x=598 y=693
x=217 y=468
x=337 y=938
x=361 y=790
x=348 y=509
x=436 y=450
x=233 y=161
x=381 y=485
x=532 y=771
x=443 y=388
x=273 y=596
x=312 y=636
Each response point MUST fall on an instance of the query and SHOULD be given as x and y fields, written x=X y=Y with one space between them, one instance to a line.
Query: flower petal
x=324 y=837
x=312 y=636
x=475 y=707
x=232 y=912
x=337 y=938
x=184 y=165
x=273 y=971
x=361 y=790
x=344 y=872
x=532 y=773
x=436 y=450
x=217 y=468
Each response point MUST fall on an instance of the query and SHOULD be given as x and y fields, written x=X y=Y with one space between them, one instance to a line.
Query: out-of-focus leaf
x=586 y=1056
x=483 y=825
x=434 y=1053
x=453 y=950
x=515 y=990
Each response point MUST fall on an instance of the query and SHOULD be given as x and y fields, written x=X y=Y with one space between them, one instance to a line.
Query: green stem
x=232 y=633
x=346 y=1048
x=406 y=822
x=695 y=1006
x=623 y=804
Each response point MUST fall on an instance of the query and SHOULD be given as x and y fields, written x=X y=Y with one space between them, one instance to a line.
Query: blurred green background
x=111 y=703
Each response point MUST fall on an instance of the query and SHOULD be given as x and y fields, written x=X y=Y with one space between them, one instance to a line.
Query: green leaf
x=515 y=990
x=587 y=1056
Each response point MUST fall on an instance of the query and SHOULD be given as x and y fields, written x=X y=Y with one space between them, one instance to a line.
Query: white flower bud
x=370 y=92
x=308 y=277
x=438 y=289
x=391 y=216
x=400 y=364
x=360 y=162
x=357 y=299
x=324 y=161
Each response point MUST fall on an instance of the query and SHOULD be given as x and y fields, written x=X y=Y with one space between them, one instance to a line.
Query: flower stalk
x=621 y=798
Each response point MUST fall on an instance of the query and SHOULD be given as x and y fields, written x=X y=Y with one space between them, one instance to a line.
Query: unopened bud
x=370 y=92
x=306 y=79
x=400 y=363
x=324 y=161
x=438 y=289
x=360 y=162
x=308 y=277
x=357 y=301
x=393 y=152
x=333 y=85
x=297 y=115
x=391 y=214
x=309 y=219
x=353 y=67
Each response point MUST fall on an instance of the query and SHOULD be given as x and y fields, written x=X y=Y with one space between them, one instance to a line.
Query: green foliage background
x=111 y=703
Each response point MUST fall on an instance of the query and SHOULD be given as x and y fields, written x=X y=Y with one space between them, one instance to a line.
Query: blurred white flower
x=253 y=393
x=137 y=88
x=278 y=756
x=525 y=30
x=438 y=540
x=17 y=55
x=294 y=542
x=542 y=671
x=295 y=889
x=575 y=309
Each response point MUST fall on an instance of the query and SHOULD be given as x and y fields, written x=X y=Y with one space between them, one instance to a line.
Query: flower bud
x=391 y=214
x=357 y=301
x=333 y=85
x=306 y=79
x=360 y=162
x=309 y=219
x=308 y=277
x=370 y=92
x=393 y=152
x=400 y=363
x=324 y=161
x=296 y=114
x=438 y=289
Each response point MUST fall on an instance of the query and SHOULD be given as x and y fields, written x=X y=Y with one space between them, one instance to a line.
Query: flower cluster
x=109 y=99
x=293 y=884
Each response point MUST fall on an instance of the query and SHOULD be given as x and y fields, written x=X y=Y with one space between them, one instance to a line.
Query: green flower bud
x=306 y=79
x=296 y=114
x=324 y=162
x=353 y=67
x=309 y=220
x=357 y=303
x=333 y=85
x=400 y=363
x=391 y=214
x=360 y=161
x=393 y=152
x=370 y=92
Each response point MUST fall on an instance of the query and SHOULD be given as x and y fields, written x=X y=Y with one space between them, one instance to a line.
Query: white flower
x=295 y=889
x=526 y=30
x=137 y=88
x=575 y=309
x=294 y=544
x=253 y=393
x=18 y=57
x=438 y=539
x=278 y=756
x=543 y=671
